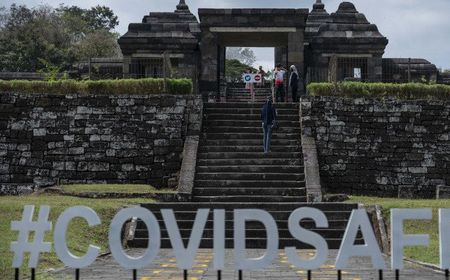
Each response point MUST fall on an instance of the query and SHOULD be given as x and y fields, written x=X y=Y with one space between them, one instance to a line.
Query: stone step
x=275 y=136
x=246 y=123
x=249 y=233
x=253 y=243
x=279 y=215
x=248 y=184
x=247 y=161
x=247 y=117
x=198 y=191
x=250 y=176
x=288 y=207
x=254 y=129
x=251 y=169
x=249 y=105
x=252 y=111
x=256 y=149
x=247 y=198
x=248 y=142
x=249 y=155
x=338 y=224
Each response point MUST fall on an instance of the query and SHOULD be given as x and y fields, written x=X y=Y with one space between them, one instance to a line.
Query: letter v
x=185 y=257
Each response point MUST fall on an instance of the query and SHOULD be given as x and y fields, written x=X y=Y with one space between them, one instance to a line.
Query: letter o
x=115 y=242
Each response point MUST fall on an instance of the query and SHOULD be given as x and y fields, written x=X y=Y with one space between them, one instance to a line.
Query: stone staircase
x=337 y=214
x=233 y=173
x=231 y=165
x=242 y=95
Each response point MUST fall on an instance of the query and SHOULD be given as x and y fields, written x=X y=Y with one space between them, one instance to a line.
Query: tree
x=244 y=55
x=101 y=17
x=99 y=43
x=83 y=20
x=234 y=70
x=60 y=37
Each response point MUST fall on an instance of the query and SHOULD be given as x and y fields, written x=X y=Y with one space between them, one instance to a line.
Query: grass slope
x=428 y=254
x=79 y=237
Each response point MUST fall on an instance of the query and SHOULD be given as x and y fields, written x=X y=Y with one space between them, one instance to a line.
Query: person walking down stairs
x=268 y=117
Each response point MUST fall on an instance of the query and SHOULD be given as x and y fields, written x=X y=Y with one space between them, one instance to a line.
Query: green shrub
x=124 y=86
x=380 y=90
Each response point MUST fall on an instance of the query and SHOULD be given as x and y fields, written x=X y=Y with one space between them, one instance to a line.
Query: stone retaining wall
x=46 y=139
x=380 y=148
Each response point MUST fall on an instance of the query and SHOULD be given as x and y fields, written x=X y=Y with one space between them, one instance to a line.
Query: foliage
x=79 y=235
x=244 y=55
x=426 y=254
x=51 y=71
x=125 y=86
x=380 y=90
x=234 y=70
x=98 y=43
x=60 y=36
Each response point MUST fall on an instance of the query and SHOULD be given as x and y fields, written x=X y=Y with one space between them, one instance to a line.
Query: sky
x=415 y=28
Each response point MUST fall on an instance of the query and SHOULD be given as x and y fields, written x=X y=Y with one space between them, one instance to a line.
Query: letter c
x=61 y=248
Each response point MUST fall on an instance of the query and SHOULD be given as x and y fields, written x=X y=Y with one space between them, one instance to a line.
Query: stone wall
x=380 y=148
x=49 y=139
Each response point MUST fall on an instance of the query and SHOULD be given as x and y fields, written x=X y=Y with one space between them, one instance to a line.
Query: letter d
x=241 y=216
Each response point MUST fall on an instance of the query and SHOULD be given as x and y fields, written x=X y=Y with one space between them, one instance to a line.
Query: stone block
x=443 y=192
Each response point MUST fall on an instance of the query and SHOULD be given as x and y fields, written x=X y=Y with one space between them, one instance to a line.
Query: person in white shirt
x=279 y=76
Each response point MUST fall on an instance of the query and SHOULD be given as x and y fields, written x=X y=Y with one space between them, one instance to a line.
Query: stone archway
x=221 y=28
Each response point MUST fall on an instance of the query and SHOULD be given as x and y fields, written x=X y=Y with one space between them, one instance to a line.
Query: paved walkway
x=165 y=268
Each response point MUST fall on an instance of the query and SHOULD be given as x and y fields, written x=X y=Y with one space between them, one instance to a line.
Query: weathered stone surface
x=380 y=147
x=113 y=141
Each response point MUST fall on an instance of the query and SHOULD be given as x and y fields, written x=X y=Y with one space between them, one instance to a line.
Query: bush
x=125 y=86
x=380 y=90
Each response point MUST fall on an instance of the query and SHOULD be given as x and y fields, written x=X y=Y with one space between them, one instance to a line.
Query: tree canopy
x=244 y=55
x=31 y=39
x=234 y=70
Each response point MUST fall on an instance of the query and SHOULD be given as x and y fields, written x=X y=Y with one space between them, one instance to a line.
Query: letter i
x=219 y=239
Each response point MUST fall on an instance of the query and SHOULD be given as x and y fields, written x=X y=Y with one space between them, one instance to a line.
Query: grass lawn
x=425 y=254
x=79 y=236
x=114 y=189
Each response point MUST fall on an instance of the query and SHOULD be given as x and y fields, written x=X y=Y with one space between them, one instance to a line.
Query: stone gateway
x=325 y=47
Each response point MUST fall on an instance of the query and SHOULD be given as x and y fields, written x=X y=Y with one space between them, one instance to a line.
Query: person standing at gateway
x=279 y=76
x=268 y=117
x=293 y=83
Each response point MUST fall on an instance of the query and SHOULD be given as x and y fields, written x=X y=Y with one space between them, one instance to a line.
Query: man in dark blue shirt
x=268 y=117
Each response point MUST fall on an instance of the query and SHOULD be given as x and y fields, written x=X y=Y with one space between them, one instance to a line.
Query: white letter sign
x=241 y=216
x=399 y=239
x=359 y=220
x=308 y=237
x=60 y=243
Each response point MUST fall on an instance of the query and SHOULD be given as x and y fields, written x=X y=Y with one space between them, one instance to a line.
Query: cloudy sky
x=415 y=28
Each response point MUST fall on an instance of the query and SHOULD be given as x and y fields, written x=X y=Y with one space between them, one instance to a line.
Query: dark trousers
x=294 y=90
x=267 y=137
x=280 y=93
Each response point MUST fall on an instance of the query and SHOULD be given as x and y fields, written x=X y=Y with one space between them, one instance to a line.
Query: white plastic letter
x=444 y=234
x=308 y=237
x=400 y=239
x=60 y=243
x=359 y=220
x=115 y=242
x=241 y=216
x=219 y=239
x=185 y=257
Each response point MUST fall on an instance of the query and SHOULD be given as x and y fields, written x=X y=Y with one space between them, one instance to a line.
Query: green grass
x=408 y=91
x=425 y=254
x=99 y=188
x=79 y=237
x=122 y=86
